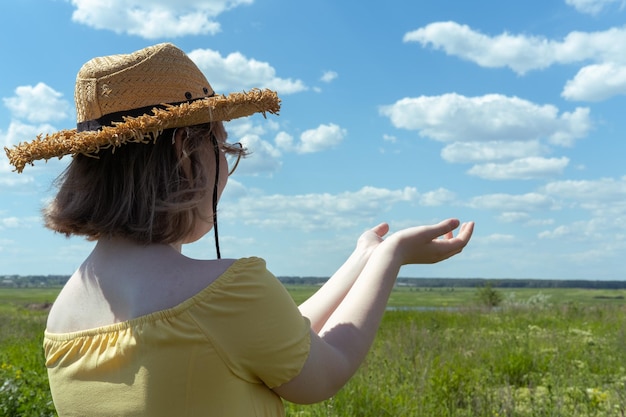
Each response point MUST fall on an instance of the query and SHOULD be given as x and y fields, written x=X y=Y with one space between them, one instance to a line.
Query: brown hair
x=148 y=193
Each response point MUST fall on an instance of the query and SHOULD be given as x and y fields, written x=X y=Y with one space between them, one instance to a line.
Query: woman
x=141 y=330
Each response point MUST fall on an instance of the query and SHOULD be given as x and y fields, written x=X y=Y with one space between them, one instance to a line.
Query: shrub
x=488 y=296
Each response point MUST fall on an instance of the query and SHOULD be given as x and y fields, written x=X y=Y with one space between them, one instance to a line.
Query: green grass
x=12 y=299
x=24 y=389
x=550 y=352
x=15 y=298
x=551 y=361
x=466 y=297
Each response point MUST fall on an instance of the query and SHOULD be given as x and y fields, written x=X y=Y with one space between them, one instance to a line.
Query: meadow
x=439 y=352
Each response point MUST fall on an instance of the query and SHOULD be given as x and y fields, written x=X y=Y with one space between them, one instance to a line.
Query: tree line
x=38 y=281
x=479 y=282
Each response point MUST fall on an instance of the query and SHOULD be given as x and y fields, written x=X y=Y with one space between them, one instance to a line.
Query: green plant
x=488 y=296
x=24 y=389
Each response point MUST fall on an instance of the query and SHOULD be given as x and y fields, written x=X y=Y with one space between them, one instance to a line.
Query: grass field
x=410 y=297
x=556 y=352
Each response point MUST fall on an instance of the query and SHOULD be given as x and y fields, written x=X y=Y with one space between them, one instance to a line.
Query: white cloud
x=523 y=218
x=521 y=53
x=248 y=126
x=17 y=222
x=12 y=179
x=523 y=168
x=313 y=140
x=284 y=140
x=309 y=212
x=576 y=189
x=603 y=238
x=437 y=197
x=463 y=152
x=38 y=104
x=596 y=82
x=540 y=222
x=263 y=157
x=603 y=199
x=492 y=117
x=154 y=19
x=10 y=222
x=556 y=233
x=321 y=138
x=236 y=72
x=21 y=132
x=513 y=217
x=602 y=190
x=592 y=7
x=329 y=76
x=498 y=238
x=588 y=230
x=31 y=108
x=511 y=202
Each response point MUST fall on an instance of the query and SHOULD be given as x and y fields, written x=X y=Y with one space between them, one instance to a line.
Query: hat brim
x=145 y=128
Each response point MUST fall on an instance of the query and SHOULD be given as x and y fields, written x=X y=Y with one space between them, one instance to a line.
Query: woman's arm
x=319 y=307
x=342 y=344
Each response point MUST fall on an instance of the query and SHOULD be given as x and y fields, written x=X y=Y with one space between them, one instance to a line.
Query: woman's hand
x=429 y=244
x=371 y=238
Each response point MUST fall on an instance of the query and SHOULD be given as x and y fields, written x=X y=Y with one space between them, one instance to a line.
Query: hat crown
x=152 y=76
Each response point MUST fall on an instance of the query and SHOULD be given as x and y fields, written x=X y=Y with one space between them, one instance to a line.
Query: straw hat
x=133 y=98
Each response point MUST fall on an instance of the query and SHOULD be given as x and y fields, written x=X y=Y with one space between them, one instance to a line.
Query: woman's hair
x=149 y=193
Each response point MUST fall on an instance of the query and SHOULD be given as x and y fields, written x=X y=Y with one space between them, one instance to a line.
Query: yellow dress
x=216 y=354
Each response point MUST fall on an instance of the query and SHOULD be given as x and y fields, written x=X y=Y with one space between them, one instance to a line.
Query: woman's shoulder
x=97 y=297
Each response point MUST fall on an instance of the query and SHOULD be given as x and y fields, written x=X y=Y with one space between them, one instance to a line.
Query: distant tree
x=488 y=296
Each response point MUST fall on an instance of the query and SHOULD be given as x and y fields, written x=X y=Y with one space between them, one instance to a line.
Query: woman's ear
x=178 y=136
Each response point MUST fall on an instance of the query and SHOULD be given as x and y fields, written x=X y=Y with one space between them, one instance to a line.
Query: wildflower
x=579 y=332
x=596 y=396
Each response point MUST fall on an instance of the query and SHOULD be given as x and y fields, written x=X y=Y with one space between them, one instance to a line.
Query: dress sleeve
x=255 y=325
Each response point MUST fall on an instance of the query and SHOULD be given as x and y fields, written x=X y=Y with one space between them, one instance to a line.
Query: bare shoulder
x=112 y=287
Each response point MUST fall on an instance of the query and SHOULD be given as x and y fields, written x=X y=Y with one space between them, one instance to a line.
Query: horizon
x=399 y=280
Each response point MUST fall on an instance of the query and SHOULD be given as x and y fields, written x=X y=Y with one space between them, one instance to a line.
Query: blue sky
x=506 y=113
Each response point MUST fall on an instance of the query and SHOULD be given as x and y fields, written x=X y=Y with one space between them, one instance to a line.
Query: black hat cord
x=217 y=177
